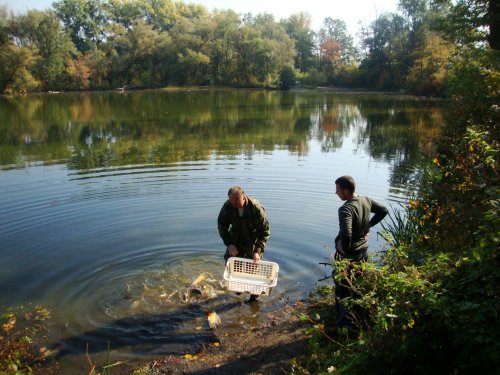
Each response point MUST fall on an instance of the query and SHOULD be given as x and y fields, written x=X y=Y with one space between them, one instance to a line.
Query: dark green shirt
x=355 y=222
x=250 y=232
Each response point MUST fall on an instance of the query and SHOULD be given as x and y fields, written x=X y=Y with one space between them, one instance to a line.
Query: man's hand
x=256 y=257
x=232 y=250
x=338 y=247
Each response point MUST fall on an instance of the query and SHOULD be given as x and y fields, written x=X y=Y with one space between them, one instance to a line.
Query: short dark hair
x=238 y=190
x=346 y=182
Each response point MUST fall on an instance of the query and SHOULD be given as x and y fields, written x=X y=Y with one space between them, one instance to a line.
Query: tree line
x=108 y=44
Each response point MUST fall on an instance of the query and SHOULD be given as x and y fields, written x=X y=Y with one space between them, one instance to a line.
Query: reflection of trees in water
x=400 y=135
x=332 y=122
x=151 y=127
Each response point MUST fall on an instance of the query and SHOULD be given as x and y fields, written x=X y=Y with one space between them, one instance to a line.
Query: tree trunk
x=494 y=24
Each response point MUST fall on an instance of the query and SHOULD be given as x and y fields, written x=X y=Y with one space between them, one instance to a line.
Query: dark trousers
x=343 y=290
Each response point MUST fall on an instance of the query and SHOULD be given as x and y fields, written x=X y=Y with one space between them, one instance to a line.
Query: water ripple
x=113 y=250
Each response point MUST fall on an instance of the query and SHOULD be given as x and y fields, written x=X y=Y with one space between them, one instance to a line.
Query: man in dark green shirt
x=243 y=225
x=354 y=220
x=352 y=240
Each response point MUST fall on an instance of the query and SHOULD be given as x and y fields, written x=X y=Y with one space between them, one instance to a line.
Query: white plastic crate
x=244 y=276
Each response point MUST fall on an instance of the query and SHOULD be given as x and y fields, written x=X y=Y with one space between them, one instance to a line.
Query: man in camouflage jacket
x=243 y=225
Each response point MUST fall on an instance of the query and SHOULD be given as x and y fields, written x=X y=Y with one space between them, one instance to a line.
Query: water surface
x=109 y=202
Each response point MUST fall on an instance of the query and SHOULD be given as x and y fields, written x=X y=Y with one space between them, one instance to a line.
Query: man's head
x=345 y=187
x=237 y=196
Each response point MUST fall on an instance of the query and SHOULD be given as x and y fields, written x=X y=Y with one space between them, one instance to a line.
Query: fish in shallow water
x=201 y=278
x=192 y=293
x=208 y=291
x=213 y=319
x=136 y=305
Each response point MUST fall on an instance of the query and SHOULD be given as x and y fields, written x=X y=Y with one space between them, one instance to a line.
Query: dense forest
x=109 y=44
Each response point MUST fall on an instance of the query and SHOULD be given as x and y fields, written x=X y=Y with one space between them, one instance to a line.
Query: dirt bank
x=266 y=349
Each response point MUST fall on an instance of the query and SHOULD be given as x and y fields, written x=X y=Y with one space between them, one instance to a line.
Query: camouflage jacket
x=250 y=232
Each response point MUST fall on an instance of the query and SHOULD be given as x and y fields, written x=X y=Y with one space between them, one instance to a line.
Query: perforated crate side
x=262 y=269
x=245 y=276
x=244 y=287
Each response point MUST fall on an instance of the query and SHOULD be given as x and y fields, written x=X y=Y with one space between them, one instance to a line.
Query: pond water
x=109 y=201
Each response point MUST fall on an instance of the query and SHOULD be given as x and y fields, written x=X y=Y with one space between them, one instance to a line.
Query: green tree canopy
x=298 y=27
x=42 y=31
x=85 y=20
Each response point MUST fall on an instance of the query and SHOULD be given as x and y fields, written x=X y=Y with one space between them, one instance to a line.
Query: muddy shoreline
x=266 y=349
